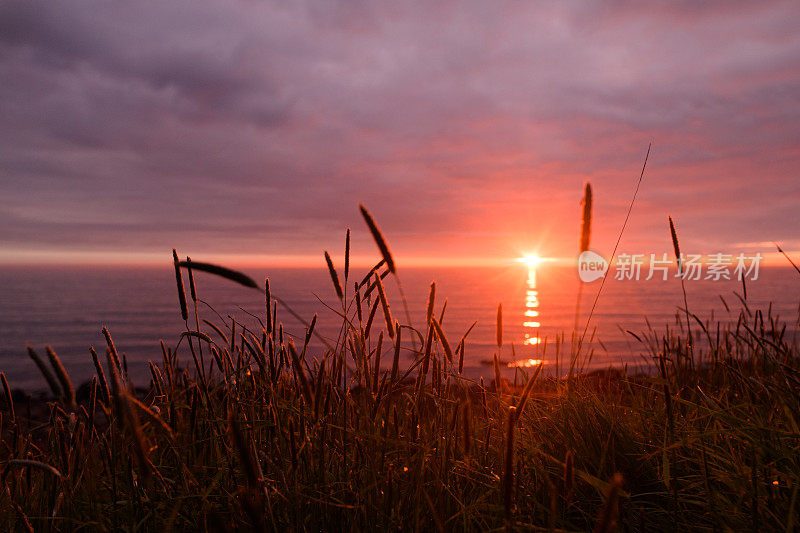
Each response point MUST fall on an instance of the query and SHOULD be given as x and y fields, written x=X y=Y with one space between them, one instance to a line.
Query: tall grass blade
x=192 y=290
x=68 y=391
x=607 y=519
x=101 y=377
x=616 y=245
x=431 y=302
x=9 y=399
x=347 y=256
x=499 y=325
x=334 y=276
x=440 y=335
x=676 y=246
x=55 y=388
x=787 y=258
x=378 y=237
x=508 y=469
x=586 y=220
x=227 y=273
x=111 y=348
x=387 y=314
x=677 y=249
x=179 y=282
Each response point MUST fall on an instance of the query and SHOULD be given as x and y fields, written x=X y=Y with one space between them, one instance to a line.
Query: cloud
x=260 y=126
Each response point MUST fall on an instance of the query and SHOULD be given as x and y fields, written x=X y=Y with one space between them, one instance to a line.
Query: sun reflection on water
x=525 y=363
x=531 y=327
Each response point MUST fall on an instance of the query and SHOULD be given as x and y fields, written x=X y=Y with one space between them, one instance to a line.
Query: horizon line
x=150 y=259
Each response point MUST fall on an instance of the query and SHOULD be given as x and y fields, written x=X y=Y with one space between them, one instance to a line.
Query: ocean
x=67 y=307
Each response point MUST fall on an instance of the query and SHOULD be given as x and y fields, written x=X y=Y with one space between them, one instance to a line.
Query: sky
x=249 y=132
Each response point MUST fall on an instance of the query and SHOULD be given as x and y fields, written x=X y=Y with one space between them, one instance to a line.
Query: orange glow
x=525 y=363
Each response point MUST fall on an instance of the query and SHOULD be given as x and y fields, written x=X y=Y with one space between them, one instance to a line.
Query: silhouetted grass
x=271 y=436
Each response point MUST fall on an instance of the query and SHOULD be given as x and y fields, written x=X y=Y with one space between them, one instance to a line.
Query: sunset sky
x=250 y=131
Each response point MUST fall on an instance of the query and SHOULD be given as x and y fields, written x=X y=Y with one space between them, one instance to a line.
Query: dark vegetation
x=243 y=429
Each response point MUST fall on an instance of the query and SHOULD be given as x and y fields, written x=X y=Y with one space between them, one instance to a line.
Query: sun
x=531 y=260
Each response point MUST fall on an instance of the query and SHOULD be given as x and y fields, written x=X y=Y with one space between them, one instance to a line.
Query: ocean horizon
x=67 y=307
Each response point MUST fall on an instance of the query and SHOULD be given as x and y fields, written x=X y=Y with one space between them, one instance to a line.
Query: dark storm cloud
x=260 y=126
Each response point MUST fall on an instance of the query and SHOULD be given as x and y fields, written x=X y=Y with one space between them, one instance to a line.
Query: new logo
x=591 y=266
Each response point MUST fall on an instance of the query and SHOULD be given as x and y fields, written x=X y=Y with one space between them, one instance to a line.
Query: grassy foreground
x=243 y=429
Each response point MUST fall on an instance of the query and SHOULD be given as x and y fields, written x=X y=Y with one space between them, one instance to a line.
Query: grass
x=256 y=430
